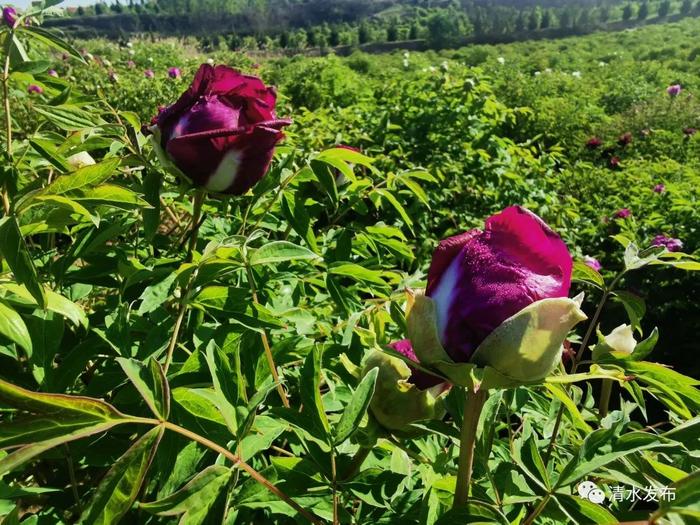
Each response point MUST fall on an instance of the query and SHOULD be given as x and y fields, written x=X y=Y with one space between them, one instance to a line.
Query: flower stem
x=197 y=202
x=605 y=392
x=473 y=404
x=8 y=119
x=357 y=460
x=577 y=359
x=334 y=484
x=176 y=332
x=266 y=342
x=538 y=510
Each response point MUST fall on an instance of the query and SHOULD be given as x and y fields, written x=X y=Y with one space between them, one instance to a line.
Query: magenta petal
x=200 y=155
x=444 y=254
x=419 y=378
x=514 y=262
x=206 y=114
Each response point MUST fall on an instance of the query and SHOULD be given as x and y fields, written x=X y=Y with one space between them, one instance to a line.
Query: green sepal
x=527 y=347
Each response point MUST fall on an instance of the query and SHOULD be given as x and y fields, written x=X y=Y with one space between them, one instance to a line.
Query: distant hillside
x=300 y=24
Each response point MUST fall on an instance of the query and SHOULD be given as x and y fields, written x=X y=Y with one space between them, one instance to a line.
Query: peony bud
x=670 y=243
x=80 y=160
x=594 y=143
x=592 y=262
x=625 y=139
x=398 y=401
x=623 y=213
x=222 y=131
x=9 y=16
x=621 y=339
x=481 y=278
x=674 y=90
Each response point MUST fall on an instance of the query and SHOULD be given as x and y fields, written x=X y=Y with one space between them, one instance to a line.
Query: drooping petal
x=514 y=262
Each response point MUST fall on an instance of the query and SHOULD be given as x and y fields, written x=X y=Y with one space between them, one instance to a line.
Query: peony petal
x=207 y=113
x=514 y=262
x=444 y=254
x=205 y=156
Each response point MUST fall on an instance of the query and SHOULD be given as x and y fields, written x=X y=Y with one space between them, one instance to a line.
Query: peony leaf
x=196 y=499
x=14 y=250
x=14 y=328
x=121 y=485
x=280 y=251
x=356 y=408
x=149 y=380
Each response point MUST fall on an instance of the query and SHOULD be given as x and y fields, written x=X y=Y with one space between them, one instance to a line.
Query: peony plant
x=495 y=314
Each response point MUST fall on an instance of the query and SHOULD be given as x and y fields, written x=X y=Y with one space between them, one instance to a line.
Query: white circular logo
x=591 y=492
x=596 y=496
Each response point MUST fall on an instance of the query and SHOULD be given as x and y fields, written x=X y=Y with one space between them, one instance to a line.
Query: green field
x=170 y=354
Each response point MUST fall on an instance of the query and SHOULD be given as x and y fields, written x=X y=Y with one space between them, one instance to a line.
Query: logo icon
x=590 y=491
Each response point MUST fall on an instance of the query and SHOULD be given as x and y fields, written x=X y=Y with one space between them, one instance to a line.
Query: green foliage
x=143 y=384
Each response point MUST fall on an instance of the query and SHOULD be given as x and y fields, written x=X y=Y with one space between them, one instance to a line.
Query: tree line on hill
x=301 y=24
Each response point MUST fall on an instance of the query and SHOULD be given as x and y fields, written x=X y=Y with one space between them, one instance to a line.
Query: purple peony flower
x=174 y=72
x=660 y=188
x=33 y=88
x=674 y=90
x=480 y=278
x=689 y=132
x=594 y=143
x=624 y=213
x=222 y=132
x=671 y=244
x=625 y=139
x=419 y=378
x=592 y=262
x=615 y=162
x=52 y=73
x=149 y=73
x=9 y=16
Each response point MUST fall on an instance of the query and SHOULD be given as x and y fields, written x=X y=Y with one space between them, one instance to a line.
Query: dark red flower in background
x=594 y=143
x=625 y=139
